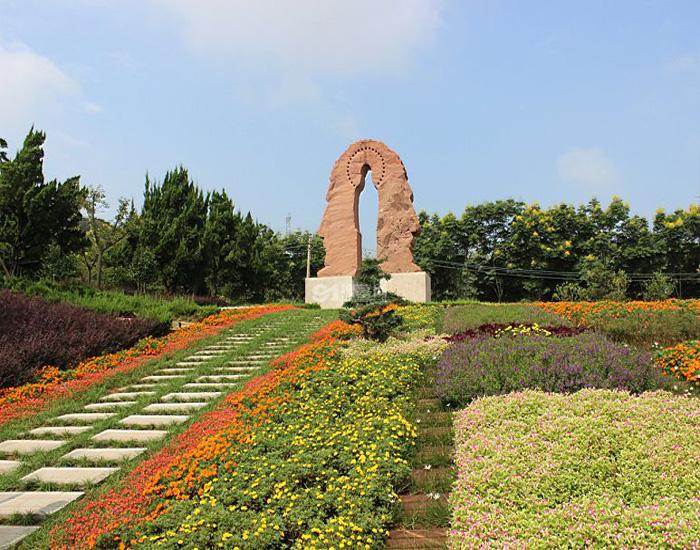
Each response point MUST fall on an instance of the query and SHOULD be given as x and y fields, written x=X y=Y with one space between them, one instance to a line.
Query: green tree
x=173 y=218
x=35 y=214
x=103 y=235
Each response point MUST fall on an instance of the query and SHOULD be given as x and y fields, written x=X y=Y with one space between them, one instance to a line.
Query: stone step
x=195 y=359
x=220 y=377
x=188 y=364
x=190 y=396
x=238 y=369
x=129 y=435
x=162 y=377
x=247 y=362
x=7 y=466
x=139 y=387
x=87 y=418
x=260 y=356
x=175 y=370
x=12 y=534
x=174 y=407
x=126 y=396
x=208 y=352
x=60 y=431
x=108 y=406
x=70 y=475
x=35 y=502
x=153 y=419
x=29 y=446
x=209 y=385
x=116 y=454
x=233 y=370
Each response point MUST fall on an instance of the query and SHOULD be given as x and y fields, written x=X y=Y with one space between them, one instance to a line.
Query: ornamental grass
x=52 y=384
x=596 y=469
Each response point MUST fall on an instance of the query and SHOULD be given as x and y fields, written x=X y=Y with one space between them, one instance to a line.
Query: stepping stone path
x=127 y=419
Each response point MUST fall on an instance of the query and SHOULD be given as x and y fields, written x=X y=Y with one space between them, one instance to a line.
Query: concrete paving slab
x=129 y=435
x=116 y=454
x=35 y=502
x=108 y=406
x=175 y=370
x=190 y=396
x=154 y=419
x=126 y=396
x=86 y=417
x=7 y=466
x=12 y=534
x=237 y=369
x=162 y=377
x=29 y=446
x=174 y=407
x=209 y=385
x=60 y=431
x=220 y=378
x=70 y=475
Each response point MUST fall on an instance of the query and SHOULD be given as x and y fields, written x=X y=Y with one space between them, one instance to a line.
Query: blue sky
x=544 y=101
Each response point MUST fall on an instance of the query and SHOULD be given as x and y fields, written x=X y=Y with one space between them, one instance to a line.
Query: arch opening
x=367 y=218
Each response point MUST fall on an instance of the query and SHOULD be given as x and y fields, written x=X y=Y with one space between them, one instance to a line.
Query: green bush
x=596 y=469
x=378 y=321
x=659 y=287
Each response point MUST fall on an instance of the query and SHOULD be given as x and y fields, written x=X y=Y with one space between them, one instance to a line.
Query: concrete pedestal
x=329 y=292
x=411 y=286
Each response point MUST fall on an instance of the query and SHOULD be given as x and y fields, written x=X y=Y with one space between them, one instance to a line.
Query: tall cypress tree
x=36 y=215
x=172 y=227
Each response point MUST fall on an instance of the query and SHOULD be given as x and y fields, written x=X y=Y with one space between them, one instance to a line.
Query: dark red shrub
x=35 y=333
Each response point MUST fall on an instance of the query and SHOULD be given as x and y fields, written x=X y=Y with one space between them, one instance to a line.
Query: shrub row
x=162 y=308
x=483 y=365
x=596 y=469
x=35 y=333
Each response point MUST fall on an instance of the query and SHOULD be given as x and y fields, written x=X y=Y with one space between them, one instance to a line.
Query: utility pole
x=308 y=258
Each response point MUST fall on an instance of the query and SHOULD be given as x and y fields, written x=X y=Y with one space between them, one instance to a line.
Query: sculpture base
x=411 y=286
x=329 y=292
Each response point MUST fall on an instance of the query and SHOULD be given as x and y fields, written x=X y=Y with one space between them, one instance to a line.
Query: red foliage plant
x=35 y=332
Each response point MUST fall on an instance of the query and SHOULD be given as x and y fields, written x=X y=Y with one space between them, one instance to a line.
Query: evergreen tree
x=35 y=214
x=172 y=228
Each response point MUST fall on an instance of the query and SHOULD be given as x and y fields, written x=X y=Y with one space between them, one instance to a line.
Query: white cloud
x=32 y=85
x=337 y=37
x=587 y=167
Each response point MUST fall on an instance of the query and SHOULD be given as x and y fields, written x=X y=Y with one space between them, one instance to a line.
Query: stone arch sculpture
x=397 y=223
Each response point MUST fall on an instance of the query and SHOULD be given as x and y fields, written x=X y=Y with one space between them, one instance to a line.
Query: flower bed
x=682 y=361
x=642 y=323
x=484 y=365
x=471 y=316
x=515 y=329
x=307 y=457
x=52 y=384
x=578 y=471
x=35 y=332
